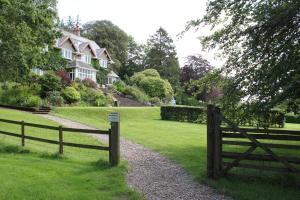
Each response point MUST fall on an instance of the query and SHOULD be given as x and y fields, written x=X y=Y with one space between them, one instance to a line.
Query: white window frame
x=66 y=53
x=86 y=73
x=103 y=63
x=86 y=58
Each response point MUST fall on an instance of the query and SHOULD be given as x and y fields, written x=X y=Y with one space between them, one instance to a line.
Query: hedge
x=183 y=113
x=292 y=119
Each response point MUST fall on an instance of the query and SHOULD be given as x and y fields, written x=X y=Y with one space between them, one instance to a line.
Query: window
x=86 y=58
x=103 y=63
x=38 y=71
x=86 y=73
x=66 y=53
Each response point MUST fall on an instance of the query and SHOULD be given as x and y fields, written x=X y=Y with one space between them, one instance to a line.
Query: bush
x=71 y=95
x=31 y=101
x=295 y=119
x=49 y=82
x=65 y=78
x=137 y=77
x=54 y=98
x=183 y=113
x=89 y=83
x=93 y=97
x=136 y=93
x=157 y=87
x=155 y=101
x=119 y=86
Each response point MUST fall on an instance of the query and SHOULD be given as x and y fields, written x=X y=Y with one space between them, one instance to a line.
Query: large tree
x=111 y=37
x=135 y=59
x=195 y=67
x=161 y=55
x=260 y=40
x=26 y=28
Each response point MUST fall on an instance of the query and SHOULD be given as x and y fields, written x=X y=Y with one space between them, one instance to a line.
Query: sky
x=141 y=18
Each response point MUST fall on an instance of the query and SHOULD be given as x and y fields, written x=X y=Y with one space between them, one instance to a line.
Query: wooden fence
x=113 y=134
x=219 y=136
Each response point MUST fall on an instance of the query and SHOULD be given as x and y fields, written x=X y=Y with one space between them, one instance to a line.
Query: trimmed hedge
x=292 y=119
x=183 y=113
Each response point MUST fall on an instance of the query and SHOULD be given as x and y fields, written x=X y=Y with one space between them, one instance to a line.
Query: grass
x=185 y=143
x=39 y=172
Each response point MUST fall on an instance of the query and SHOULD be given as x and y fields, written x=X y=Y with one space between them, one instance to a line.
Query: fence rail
x=113 y=134
x=218 y=137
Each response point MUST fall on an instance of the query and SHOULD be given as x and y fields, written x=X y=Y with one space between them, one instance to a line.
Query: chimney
x=76 y=30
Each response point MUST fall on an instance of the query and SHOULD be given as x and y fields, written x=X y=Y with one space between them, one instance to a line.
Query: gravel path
x=151 y=174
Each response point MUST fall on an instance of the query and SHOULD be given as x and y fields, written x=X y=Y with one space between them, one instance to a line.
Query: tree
x=260 y=40
x=195 y=67
x=161 y=55
x=111 y=37
x=135 y=59
x=26 y=28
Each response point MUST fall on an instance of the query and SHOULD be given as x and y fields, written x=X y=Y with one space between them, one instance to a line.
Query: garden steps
x=43 y=110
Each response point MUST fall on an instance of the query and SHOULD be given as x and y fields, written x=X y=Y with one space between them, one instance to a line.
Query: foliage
x=136 y=93
x=135 y=59
x=183 y=113
x=195 y=67
x=64 y=77
x=161 y=55
x=289 y=118
x=110 y=36
x=93 y=97
x=71 y=95
x=183 y=99
x=26 y=28
x=155 y=101
x=54 y=98
x=49 y=82
x=20 y=95
x=101 y=75
x=119 y=86
x=260 y=42
x=89 y=83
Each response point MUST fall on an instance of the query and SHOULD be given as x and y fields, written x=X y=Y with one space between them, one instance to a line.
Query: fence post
x=114 y=139
x=61 y=147
x=210 y=141
x=22 y=133
x=218 y=143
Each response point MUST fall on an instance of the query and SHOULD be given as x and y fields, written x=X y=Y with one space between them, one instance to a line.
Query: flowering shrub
x=89 y=83
x=65 y=78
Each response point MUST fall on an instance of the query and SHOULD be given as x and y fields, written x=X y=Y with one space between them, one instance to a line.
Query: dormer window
x=103 y=63
x=66 y=53
x=86 y=58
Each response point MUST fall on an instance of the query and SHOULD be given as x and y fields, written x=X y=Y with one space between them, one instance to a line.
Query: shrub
x=157 y=87
x=119 y=86
x=49 y=82
x=155 y=101
x=136 y=93
x=183 y=113
x=295 y=119
x=54 y=98
x=93 y=97
x=71 y=95
x=65 y=78
x=137 y=77
x=89 y=83
x=31 y=101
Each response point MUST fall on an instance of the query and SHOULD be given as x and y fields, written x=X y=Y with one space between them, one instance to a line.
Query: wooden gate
x=221 y=132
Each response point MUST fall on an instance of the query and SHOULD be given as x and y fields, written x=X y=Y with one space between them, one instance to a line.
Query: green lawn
x=185 y=143
x=38 y=172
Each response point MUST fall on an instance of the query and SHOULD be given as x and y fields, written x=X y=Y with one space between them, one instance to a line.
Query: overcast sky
x=141 y=18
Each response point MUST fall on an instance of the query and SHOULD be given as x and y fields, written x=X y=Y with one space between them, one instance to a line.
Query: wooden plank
x=10 y=121
x=218 y=143
x=114 y=153
x=41 y=139
x=266 y=149
x=91 y=131
x=260 y=157
x=262 y=136
x=280 y=146
x=10 y=134
x=268 y=131
x=86 y=146
x=261 y=167
x=41 y=126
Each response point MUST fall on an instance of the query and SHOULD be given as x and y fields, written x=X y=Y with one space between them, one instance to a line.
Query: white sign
x=114 y=117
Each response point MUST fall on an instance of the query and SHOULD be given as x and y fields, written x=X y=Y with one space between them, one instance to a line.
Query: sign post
x=114 y=138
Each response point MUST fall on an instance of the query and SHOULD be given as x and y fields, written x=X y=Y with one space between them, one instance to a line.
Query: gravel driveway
x=151 y=174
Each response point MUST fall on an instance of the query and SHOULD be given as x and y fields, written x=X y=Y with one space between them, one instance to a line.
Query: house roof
x=80 y=43
x=112 y=74
x=79 y=64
